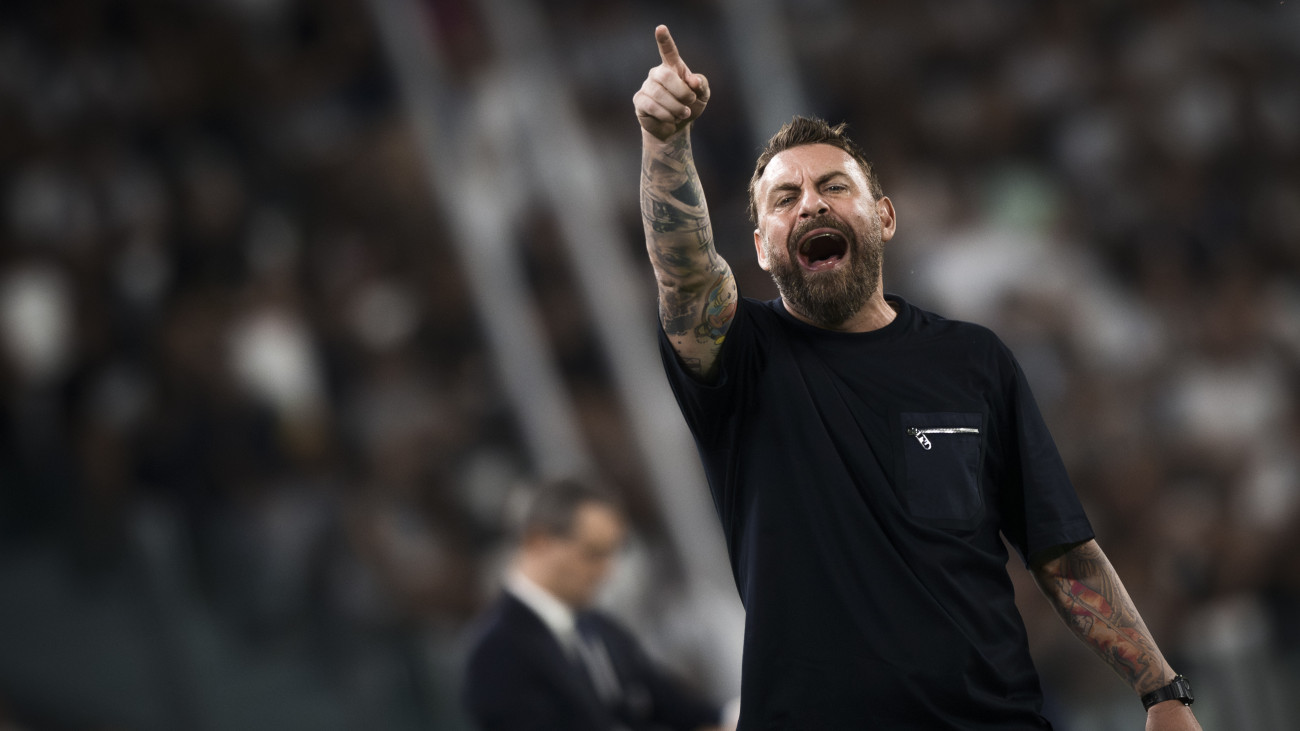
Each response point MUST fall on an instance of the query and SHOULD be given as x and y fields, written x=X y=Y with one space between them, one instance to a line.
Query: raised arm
x=697 y=293
x=1087 y=593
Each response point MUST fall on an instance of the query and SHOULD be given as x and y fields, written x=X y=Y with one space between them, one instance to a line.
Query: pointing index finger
x=667 y=48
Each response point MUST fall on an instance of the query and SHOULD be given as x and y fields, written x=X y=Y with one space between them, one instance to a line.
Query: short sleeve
x=1041 y=509
x=701 y=403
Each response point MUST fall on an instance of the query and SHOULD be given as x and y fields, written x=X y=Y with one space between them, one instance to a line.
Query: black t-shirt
x=862 y=481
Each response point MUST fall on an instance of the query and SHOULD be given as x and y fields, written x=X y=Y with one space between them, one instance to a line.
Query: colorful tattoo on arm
x=1087 y=593
x=719 y=309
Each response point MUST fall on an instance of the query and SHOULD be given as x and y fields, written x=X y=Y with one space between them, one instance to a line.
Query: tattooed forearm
x=697 y=292
x=1087 y=593
x=673 y=208
x=663 y=217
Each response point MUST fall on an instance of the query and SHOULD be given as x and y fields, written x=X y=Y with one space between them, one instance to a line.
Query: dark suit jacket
x=520 y=678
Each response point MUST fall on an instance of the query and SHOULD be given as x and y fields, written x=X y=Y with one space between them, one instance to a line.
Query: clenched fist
x=671 y=96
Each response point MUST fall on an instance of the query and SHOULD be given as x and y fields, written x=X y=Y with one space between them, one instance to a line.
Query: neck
x=530 y=571
x=529 y=568
x=875 y=314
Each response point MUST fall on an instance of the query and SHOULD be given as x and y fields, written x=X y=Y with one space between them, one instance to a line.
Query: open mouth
x=822 y=248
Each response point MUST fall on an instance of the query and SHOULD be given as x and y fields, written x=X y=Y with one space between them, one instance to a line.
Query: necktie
x=594 y=658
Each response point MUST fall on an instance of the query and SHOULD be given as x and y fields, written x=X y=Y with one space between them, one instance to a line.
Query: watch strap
x=1178 y=689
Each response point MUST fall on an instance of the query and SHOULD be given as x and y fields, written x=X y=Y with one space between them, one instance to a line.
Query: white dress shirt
x=555 y=614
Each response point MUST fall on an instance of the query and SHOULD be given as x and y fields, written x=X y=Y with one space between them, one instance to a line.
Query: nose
x=811 y=204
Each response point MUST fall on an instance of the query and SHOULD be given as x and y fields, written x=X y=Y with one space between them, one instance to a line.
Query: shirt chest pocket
x=943 y=454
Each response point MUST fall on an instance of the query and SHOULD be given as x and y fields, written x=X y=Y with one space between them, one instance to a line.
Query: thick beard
x=830 y=299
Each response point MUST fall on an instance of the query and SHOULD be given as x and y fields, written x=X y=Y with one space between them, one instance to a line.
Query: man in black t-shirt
x=865 y=457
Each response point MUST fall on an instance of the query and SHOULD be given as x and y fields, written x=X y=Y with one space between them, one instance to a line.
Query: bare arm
x=1088 y=595
x=697 y=292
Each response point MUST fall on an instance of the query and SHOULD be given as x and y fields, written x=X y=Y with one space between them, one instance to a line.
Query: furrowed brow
x=787 y=187
x=828 y=177
x=791 y=186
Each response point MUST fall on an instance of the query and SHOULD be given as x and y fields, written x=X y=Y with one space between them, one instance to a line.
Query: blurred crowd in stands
x=228 y=305
x=226 y=302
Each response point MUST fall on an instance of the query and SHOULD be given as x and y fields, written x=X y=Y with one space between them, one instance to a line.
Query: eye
x=837 y=188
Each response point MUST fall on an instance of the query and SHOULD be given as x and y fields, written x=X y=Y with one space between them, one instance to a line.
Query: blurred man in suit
x=543 y=659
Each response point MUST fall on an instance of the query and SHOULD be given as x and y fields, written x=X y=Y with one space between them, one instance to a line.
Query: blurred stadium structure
x=296 y=297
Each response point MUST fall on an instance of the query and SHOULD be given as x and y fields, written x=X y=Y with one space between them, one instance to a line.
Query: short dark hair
x=809 y=131
x=554 y=504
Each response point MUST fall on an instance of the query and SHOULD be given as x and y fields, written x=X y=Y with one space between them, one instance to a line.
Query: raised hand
x=671 y=97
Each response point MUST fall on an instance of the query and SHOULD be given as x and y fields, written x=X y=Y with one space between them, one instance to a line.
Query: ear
x=760 y=250
x=888 y=221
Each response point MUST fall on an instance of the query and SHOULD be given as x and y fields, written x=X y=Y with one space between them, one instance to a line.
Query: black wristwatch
x=1177 y=690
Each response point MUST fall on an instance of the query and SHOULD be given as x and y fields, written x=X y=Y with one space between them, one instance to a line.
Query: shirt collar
x=555 y=614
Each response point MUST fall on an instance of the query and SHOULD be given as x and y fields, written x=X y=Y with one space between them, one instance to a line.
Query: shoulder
x=503 y=628
x=753 y=323
x=756 y=313
x=928 y=321
x=960 y=344
x=927 y=324
x=515 y=674
x=762 y=321
x=510 y=650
